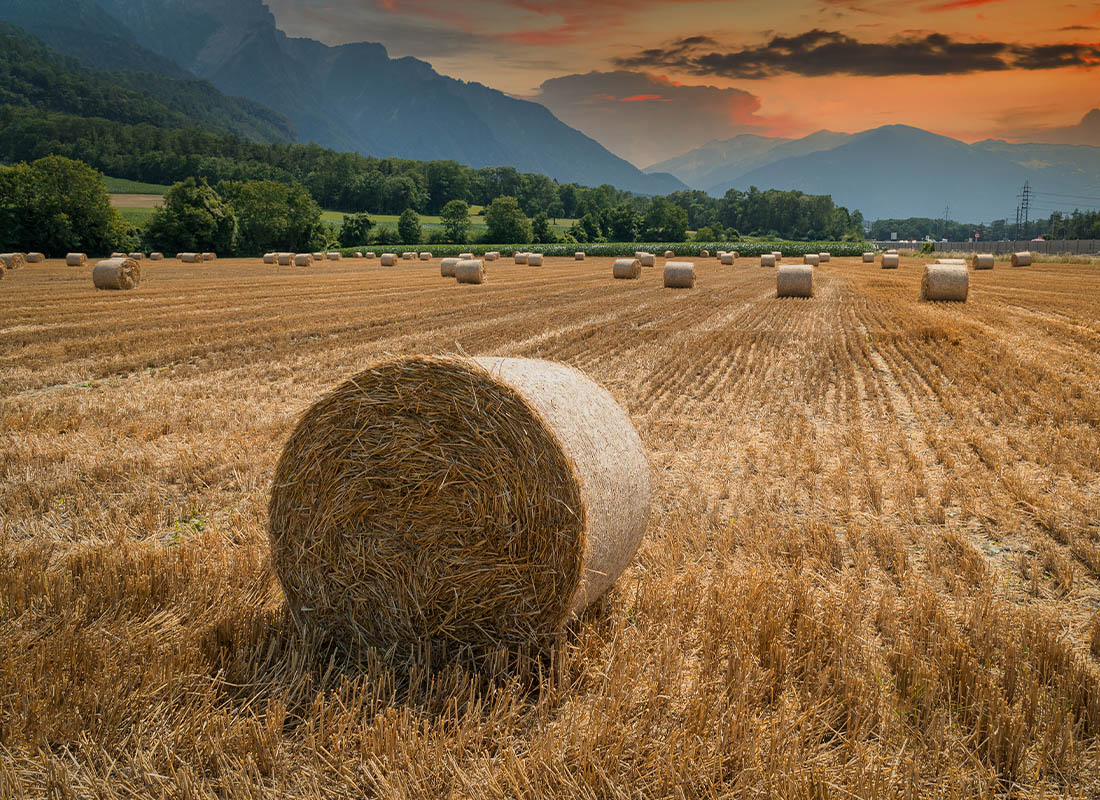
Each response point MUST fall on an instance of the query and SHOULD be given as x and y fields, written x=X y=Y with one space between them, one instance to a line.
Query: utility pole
x=946 y=212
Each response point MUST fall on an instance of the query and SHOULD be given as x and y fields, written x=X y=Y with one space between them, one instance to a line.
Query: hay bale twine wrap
x=890 y=260
x=767 y=260
x=824 y=258
x=945 y=282
x=868 y=258
x=472 y=270
x=1021 y=259
x=335 y=256
x=447 y=267
x=727 y=258
x=627 y=269
x=191 y=258
x=534 y=259
x=269 y=258
x=35 y=258
x=520 y=258
x=579 y=255
x=479 y=502
x=137 y=256
x=982 y=261
x=285 y=259
x=156 y=256
x=209 y=256
x=76 y=260
x=389 y=259
x=812 y=259
x=303 y=260
x=425 y=256
x=648 y=259
x=794 y=280
x=116 y=273
x=679 y=275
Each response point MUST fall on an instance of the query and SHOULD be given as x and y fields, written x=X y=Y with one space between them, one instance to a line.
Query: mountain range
x=898 y=171
x=353 y=97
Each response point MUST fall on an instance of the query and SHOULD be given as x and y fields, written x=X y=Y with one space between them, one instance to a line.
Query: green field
x=124 y=186
x=137 y=216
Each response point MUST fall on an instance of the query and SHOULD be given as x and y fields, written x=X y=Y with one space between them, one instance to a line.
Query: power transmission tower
x=946 y=212
x=1022 y=210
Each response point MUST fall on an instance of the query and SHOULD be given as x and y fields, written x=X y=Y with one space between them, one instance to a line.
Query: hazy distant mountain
x=356 y=98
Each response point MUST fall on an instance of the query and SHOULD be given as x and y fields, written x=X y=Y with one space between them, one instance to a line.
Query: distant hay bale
x=534 y=259
x=358 y=254
x=794 y=280
x=35 y=258
x=209 y=256
x=767 y=260
x=407 y=256
x=1021 y=259
x=580 y=256
x=116 y=273
x=76 y=260
x=727 y=258
x=492 y=255
x=679 y=275
x=303 y=260
x=520 y=258
x=318 y=256
x=982 y=261
x=735 y=254
x=945 y=282
x=137 y=256
x=285 y=259
x=447 y=267
x=156 y=256
x=890 y=260
x=540 y=494
x=824 y=258
x=371 y=255
x=269 y=258
x=191 y=258
x=704 y=254
x=639 y=253
x=813 y=259
x=389 y=259
x=119 y=255
x=669 y=254
x=955 y=261
x=425 y=256
x=868 y=258
x=627 y=269
x=472 y=270
x=891 y=252
x=335 y=256
x=777 y=253
x=466 y=256
x=179 y=256
x=648 y=259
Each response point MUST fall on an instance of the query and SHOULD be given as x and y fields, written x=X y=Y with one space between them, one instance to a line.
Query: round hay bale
x=727 y=259
x=335 y=256
x=679 y=275
x=472 y=270
x=285 y=259
x=318 y=256
x=179 y=256
x=955 y=261
x=269 y=258
x=209 y=256
x=811 y=259
x=767 y=260
x=704 y=254
x=137 y=256
x=868 y=258
x=492 y=501
x=425 y=256
x=492 y=255
x=35 y=258
x=447 y=267
x=777 y=253
x=76 y=260
x=191 y=258
x=579 y=255
x=945 y=282
x=534 y=259
x=824 y=258
x=119 y=255
x=116 y=273
x=794 y=280
x=371 y=255
x=303 y=260
x=389 y=259
x=982 y=261
x=520 y=258
x=891 y=252
x=358 y=254
x=648 y=259
x=466 y=256
x=669 y=254
x=890 y=260
x=639 y=253
x=156 y=256
x=735 y=254
x=627 y=269
x=1021 y=259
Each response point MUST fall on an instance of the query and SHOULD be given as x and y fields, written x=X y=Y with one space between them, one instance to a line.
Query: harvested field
x=872 y=566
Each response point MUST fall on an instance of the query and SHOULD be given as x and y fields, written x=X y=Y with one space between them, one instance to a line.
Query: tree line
x=1059 y=225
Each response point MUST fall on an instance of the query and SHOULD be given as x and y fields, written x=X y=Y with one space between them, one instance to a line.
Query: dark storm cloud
x=819 y=52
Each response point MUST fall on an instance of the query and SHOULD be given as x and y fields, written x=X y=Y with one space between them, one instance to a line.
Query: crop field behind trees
x=872 y=567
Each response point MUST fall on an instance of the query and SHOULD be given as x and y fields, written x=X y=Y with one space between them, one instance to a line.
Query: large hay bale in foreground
x=1021 y=259
x=679 y=275
x=767 y=260
x=304 y=260
x=35 y=258
x=727 y=259
x=868 y=258
x=580 y=256
x=794 y=280
x=471 y=270
x=534 y=259
x=890 y=260
x=389 y=259
x=447 y=267
x=627 y=269
x=648 y=259
x=982 y=261
x=493 y=500
x=519 y=258
x=285 y=259
x=116 y=273
x=945 y=282
x=191 y=258
x=812 y=259
x=76 y=260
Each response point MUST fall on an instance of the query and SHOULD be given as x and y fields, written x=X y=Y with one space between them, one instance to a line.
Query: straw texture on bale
x=35 y=258
x=627 y=268
x=303 y=260
x=1021 y=259
x=447 y=267
x=285 y=259
x=534 y=259
x=520 y=258
x=389 y=259
x=794 y=280
x=579 y=255
x=76 y=259
x=868 y=258
x=471 y=270
x=209 y=256
x=679 y=275
x=955 y=261
x=890 y=260
x=191 y=258
x=116 y=273
x=335 y=256
x=669 y=254
x=137 y=256
x=648 y=259
x=425 y=256
x=811 y=258
x=767 y=260
x=945 y=282
x=269 y=258
x=704 y=254
x=156 y=256
x=982 y=261
x=824 y=258
x=441 y=500
x=727 y=258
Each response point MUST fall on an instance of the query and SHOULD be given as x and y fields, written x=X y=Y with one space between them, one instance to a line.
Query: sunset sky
x=653 y=78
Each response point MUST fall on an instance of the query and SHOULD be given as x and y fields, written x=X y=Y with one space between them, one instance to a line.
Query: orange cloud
x=955 y=5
